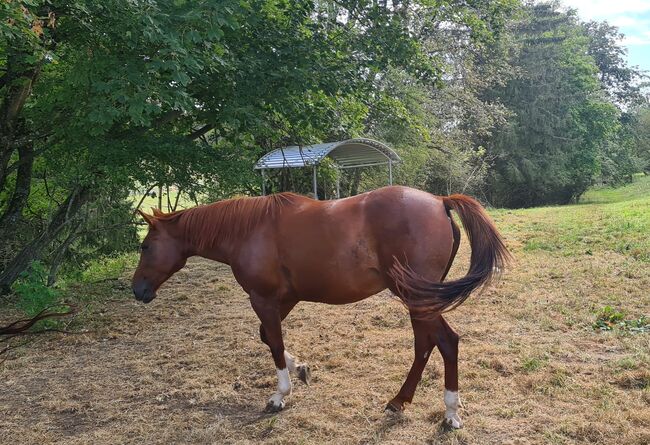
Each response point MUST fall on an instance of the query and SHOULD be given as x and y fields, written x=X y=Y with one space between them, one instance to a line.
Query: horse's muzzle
x=143 y=292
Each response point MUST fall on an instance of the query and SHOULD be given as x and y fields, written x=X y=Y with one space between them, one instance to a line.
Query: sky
x=632 y=17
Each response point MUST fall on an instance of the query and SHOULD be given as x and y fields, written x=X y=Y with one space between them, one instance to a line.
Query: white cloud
x=632 y=17
x=607 y=9
x=636 y=40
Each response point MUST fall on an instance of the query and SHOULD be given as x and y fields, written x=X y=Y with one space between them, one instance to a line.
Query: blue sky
x=632 y=17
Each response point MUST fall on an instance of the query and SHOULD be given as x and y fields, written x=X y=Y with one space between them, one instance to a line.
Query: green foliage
x=563 y=126
x=619 y=80
x=639 y=133
x=34 y=296
x=107 y=268
x=609 y=319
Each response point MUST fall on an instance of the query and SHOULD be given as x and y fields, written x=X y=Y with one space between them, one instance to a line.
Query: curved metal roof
x=358 y=152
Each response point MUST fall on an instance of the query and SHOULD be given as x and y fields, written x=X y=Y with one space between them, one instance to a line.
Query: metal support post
x=263 y=183
x=338 y=184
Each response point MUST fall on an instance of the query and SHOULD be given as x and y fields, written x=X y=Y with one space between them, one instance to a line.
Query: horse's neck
x=219 y=250
x=207 y=241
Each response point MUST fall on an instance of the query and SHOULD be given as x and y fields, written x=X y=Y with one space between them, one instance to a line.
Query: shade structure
x=358 y=152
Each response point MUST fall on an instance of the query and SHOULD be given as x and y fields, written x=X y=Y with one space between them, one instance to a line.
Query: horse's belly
x=327 y=286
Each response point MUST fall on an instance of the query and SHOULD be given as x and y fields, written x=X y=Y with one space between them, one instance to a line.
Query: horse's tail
x=427 y=299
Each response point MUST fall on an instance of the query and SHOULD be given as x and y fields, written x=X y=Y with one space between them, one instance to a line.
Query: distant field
x=557 y=353
x=607 y=220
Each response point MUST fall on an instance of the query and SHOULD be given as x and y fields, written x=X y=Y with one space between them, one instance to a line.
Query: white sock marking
x=284 y=388
x=452 y=403
x=291 y=361
x=284 y=382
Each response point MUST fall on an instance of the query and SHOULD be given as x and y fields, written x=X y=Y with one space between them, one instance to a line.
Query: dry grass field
x=189 y=368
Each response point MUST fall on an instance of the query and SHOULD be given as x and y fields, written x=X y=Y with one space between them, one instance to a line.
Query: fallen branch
x=20 y=327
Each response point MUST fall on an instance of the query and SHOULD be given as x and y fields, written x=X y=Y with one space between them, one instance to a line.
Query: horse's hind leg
x=424 y=344
x=447 y=342
x=428 y=334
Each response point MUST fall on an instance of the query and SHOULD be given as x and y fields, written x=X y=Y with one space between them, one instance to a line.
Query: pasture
x=557 y=352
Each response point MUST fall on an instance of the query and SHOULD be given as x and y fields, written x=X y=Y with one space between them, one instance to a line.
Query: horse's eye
x=144 y=247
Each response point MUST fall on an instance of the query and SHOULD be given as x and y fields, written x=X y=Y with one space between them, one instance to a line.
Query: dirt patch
x=189 y=368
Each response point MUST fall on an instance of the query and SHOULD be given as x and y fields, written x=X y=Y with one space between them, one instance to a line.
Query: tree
x=640 y=134
x=622 y=84
x=549 y=151
x=619 y=80
x=84 y=84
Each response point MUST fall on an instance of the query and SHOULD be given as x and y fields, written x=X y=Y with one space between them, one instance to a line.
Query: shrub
x=34 y=296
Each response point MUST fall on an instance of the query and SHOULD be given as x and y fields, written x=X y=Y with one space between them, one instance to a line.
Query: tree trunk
x=178 y=196
x=143 y=198
x=60 y=253
x=5 y=157
x=13 y=212
x=33 y=250
x=20 y=78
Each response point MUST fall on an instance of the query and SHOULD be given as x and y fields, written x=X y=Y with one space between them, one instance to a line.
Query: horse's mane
x=206 y=225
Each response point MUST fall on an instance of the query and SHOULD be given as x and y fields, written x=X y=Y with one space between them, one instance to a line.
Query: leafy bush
x=34 y=296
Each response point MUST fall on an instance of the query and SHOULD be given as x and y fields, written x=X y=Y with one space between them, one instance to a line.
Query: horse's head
x=161 y=255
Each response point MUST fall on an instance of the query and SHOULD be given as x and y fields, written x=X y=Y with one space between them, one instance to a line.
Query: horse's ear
x=148 y=218
x=157 y=212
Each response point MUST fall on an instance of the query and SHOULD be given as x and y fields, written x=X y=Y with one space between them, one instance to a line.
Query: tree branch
x=200 y=132
x=20 y=326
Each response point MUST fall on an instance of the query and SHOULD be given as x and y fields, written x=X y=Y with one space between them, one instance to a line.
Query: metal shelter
x=351 y=153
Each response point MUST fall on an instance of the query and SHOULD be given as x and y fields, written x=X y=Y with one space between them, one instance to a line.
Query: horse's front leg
x=301 y=370
x=271 y=314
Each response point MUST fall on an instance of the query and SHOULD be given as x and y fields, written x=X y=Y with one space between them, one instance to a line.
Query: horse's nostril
x=139 y=290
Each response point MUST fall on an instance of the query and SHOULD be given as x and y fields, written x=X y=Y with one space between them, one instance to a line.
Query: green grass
x=532 y=364
x=107 y=268
x=614 y=220
x=639 y=188
x=148 y=203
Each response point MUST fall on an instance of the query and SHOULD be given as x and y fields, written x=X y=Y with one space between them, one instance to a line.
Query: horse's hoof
x=272 y=407
x=304 y=374
x=454 y=422
x=394 y=407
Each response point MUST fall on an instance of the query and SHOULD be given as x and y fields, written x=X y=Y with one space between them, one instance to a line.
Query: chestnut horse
x=287 y=248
